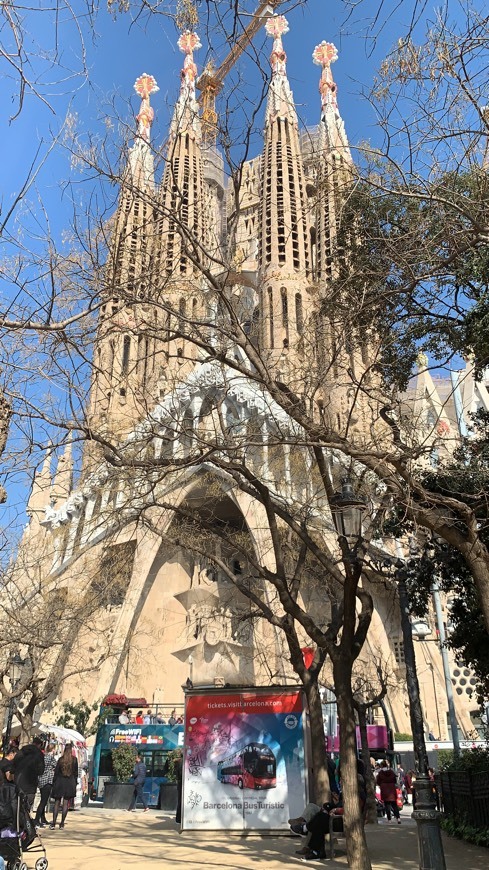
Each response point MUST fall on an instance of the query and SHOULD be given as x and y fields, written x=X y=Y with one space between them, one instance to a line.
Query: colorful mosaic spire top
x=188 y=43
x=145 y=85
x=324 y=55
x=276 y=27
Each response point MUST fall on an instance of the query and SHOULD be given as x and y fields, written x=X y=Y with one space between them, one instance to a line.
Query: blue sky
x=119 y=51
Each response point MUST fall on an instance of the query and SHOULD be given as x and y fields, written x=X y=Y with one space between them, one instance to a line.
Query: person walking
x=387 y=782
x=64 y=784
x=139 y=776
x=28 y=765
x=45 y=783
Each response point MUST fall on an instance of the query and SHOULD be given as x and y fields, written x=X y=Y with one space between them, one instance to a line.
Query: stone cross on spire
x=324 y=55
x=145 y=85
x=276 y=27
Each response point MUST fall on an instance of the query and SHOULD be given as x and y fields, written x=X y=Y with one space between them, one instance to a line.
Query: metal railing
x=465 y=794
x=161 y=713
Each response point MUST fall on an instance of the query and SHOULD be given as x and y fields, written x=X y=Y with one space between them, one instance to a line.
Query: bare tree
x=270 y=405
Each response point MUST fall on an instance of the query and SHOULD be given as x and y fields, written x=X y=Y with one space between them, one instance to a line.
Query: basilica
x=266 y=237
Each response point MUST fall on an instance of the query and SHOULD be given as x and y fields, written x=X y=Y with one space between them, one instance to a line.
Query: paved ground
x=95 y=839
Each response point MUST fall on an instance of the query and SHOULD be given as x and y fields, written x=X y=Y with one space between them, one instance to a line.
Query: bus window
x=146 y=758
x=159 y=763
x=106 y=767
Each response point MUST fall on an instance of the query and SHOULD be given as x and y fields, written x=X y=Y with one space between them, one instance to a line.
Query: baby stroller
x=17 y=831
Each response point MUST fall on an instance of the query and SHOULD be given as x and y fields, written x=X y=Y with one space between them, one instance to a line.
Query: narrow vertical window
x=126 y=350
x=270 y=315
x=299 y=317
x=285 y=308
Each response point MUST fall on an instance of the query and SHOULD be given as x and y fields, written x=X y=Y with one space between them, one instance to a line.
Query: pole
x=426 y=816
x=430 y=666
x=8 y=728
x=435 y=591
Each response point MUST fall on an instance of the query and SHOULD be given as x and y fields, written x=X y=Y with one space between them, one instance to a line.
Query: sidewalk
x=113 y=840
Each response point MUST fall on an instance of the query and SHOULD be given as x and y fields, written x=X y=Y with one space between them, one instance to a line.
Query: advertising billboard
x=244 y=759
x=377 y=736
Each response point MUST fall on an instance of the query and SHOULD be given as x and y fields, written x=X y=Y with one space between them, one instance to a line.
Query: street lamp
x=16 y=667
x=441 y=640
x=426 y=815
x=348 y=509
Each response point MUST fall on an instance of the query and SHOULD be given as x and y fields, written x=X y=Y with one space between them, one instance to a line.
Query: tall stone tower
x=285 y=270
x=126 y=349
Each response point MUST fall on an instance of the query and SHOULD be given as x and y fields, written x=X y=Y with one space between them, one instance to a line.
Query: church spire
x=332 y=128
x=180 y=229
x=186 y=113
x=335 y=165
x=40 y=494
x=280 y=103
x=119 y=363
x=284 y=252
x=63 y=478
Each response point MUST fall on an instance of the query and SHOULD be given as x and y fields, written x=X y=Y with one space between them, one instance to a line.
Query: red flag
x=308 y=655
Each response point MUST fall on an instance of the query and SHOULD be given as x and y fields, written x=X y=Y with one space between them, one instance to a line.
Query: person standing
x=401 y=780
x=139 y=776
x=28 y=765
x=45 y=784
x=64 y=784
x=387 y=782
x=178 y=771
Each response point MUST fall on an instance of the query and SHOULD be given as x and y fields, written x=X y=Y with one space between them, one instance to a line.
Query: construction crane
x=211 y=80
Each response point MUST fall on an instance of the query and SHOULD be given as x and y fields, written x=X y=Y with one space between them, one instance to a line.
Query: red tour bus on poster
x=252 y=766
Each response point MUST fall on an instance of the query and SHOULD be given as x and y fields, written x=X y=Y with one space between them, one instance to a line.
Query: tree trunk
x=371 y=809
x=356 y=844
x=477 y=559
x=320 y=787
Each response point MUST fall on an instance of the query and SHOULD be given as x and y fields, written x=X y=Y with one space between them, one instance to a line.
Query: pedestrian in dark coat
x=178 y=770
x=64 y=784
x=387 y=782
x=28 y=766
x=139 y=775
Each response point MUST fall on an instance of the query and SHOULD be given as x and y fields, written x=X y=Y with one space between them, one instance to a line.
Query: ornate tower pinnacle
x=186 y=109
x=276 y=27
x=324 y=55
x=145 y=85
x=182 y=194
x=280 y=99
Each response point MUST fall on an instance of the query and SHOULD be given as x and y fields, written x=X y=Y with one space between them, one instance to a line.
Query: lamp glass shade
x=420 y=629
x=348 y=509
x=15 y=668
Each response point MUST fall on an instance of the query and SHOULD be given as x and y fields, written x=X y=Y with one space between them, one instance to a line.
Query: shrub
x=475 y=760
x=123 y=761
x=460 y=827
x=171 y=760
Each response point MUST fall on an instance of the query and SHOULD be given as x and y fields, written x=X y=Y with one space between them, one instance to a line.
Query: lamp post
x=16 y=666
x=421 y=631
x=426 y=816
x=348 y=509
x=435 y=591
